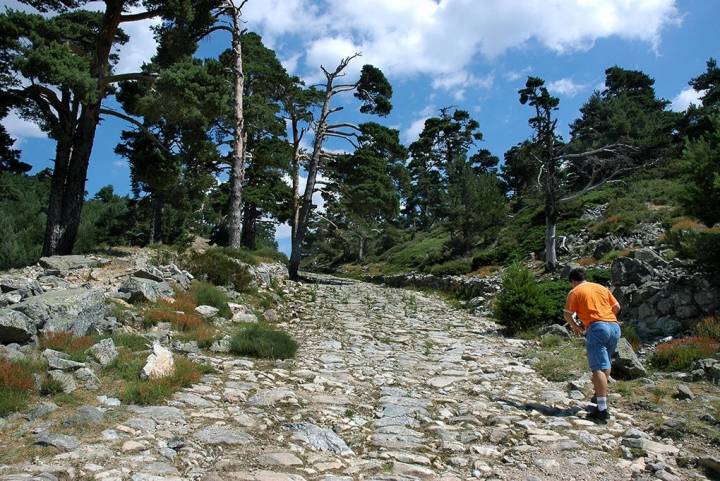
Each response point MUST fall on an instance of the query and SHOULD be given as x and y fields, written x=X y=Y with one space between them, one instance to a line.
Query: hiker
x=597 y=309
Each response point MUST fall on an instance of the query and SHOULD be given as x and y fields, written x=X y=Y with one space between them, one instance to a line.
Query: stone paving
x=388 y=384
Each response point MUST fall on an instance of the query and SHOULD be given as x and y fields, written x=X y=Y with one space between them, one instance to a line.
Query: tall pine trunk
x=158 y=209
x=67 y=190
x=237 y=173
x=249 y=229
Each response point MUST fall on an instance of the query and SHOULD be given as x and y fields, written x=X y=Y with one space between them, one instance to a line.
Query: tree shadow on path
x=542 y=408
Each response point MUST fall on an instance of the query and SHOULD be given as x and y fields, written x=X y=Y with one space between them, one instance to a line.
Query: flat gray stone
x=84 y=416
x=323 y=439
x=104 y=352
x=222 y=435
x=16 y=327
x=59 y=441
x=71 y=310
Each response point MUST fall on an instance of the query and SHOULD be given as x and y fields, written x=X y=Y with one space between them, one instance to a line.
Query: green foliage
x=419 y=253
x=561 y=361
x=701 y=159
x=221 y=267
x=133 y=342
x=452 y=268
x=23 y=200
x=708 y=327
x=50 y=386
x=522 y=303
x=702 y=246
x=263 y=342
x=154 y=391
x=209 y=295
x=679 y=354
x=630 y=333
x=550 y=340
x=106 y=220
x=74 y=346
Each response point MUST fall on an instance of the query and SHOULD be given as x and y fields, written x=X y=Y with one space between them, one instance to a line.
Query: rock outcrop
x=661 y=298
x=75 y=310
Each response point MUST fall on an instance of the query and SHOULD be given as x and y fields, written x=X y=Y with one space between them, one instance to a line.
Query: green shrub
x=127 y=365
x=556 y=291
x=708 y=327
x=550 y=340
x=522 y=304
x=263 y=342
x=702 y=246
x=50 y=386
x=153 y=391
x=452 y=268
x=599 y=276
x=679 y=354
x=16 y=385
x=220 y=267
x=630 y=334
x=209 y=295
x=133 y=342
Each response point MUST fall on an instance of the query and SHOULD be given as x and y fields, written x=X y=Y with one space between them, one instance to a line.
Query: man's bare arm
x=616 y=309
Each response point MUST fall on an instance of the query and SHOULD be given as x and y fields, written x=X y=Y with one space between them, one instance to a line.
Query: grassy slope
x=642 y=198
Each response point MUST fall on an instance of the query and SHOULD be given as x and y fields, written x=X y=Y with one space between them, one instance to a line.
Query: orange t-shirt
x=592 y=302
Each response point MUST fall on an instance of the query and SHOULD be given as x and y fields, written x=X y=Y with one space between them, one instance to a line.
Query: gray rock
x=59 y=441
x=554 y=330
x=221 y=345
x=104 y=352
x=41 y=410
x=66 y=380
x=150 y=273
x=60 y=360
x=625 y=363
x=651 y=258
x=85 y=415
x=72 y=310
x=21 y=286
x=189 y=347
x=207 y=311
x=711 y=463
x=222 y=435
x=626 y=271
x=323 y=439
x=684 y=392
x=145 y=290
x=271 y=315
x=159 y=413
x=66 y=263
x=16 y=327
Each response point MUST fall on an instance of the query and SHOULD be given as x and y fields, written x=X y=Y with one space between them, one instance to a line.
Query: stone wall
x=662 y=298
x=479 y=289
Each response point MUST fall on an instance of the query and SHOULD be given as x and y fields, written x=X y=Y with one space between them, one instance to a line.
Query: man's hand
x=571 y=322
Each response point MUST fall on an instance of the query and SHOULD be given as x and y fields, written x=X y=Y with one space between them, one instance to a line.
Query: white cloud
x=441 y=38
x=685 y=98
x=412 y=133
x=140 y=47
x=566 y=86
x=513 y=75
x=22 y=129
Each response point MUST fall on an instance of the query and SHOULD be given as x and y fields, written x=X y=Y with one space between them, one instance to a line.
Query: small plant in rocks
x=261 y=341
x=16 y=385
x=208 y=295
x=74 y=346
x=679 y=354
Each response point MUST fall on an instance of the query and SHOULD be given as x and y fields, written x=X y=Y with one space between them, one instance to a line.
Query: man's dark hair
x=577 y=274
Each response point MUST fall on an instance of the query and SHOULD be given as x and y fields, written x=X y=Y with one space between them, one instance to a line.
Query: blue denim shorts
x=601 y=339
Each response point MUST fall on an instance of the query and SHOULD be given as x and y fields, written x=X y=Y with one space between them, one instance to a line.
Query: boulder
x=190 y=347
x=626 y=271
x=67 y=263
x=606 y=245
x=66 y=380
x=160 y=363
x=151 y=273
x=85 y=415
x=625 y=363
x=60 y=360
x=16 y=327
x=104 y=352
x=651 y=258
x=145 y=290
x=20 y=286
x=73 y=310
x=207 y=311
x=554 y=330
x=221 y=345
x=59 y=441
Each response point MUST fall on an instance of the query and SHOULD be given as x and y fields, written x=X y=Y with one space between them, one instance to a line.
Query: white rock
x=207 y=311
x=159 y=364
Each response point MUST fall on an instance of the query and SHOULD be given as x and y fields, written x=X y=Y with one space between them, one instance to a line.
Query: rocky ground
x=387 y=385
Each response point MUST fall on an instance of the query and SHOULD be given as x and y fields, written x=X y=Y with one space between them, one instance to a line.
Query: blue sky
x=466 y=53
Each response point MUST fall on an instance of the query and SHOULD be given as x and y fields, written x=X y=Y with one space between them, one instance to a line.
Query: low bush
x=701 y=246
x=133 y=342
x=631 y=335
x=153 y=391
x=522 y=304
x=452 y=268
x=263 y=342
x=127 y=365
x=209 y=295
x=203 y=334
x=221 y=267
x=708 y=327
x=599 y=276
x=50 y=386
x=74 y=346
x=679 y=354
x=16 y=386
